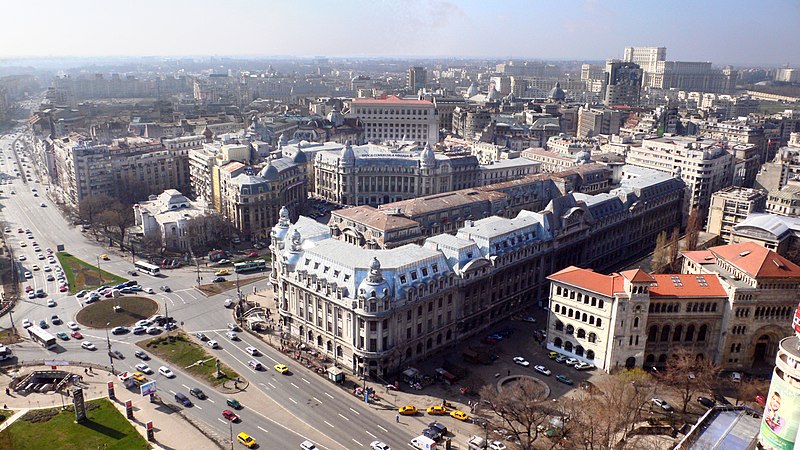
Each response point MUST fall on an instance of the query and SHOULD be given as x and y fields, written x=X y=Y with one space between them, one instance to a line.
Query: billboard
x=781 y=415
x=148 y=388
x=796 y=321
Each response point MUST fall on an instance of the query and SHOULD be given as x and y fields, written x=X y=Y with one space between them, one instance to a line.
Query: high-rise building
x=622 y=83
x=393 y=119
x=594 y=121
x=731 y=206
x=645 y=57
x=415 y=79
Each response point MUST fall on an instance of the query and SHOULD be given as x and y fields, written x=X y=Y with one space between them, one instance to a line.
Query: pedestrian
x=509 y=372
x=397 y=418
x=8 y=392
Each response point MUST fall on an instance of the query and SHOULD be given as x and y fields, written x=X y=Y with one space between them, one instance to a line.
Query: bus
x=250 y=266
x=146 y=267
x=42 y=337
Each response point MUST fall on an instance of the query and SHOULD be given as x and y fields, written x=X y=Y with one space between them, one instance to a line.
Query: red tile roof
x=637 y=276
x=756 y=260
x=700 y=256
x=389 y=99
x=590 y=280
x=681 y=285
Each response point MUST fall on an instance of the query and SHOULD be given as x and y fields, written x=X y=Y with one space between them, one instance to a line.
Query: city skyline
x=581 y=30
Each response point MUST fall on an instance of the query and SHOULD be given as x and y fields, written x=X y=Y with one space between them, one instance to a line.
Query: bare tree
x=119 y=217
x=91 y=207
x=152 y=243
x=674 y=250
x=521 y=408
x=692 y=230
x=689 y=375
x=747 y=389
x=660 y=255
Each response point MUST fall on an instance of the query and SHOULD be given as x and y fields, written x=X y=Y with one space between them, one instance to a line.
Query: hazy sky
x=730 y=31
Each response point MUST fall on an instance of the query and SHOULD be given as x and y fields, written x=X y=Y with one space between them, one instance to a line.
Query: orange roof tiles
x=637 y=276
x=681 y=285
x=757 y=261
x=590 y=280
x=374 y=218
x=700 y=256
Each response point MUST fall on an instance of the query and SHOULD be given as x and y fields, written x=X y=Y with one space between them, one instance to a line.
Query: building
x=645 y=57
x=704 y=165
x=622 y=83
x=777 y=233
x=394 y=119
x=415 y=79
x=168 y=215
x=785 y=201
x=726 y=298
x=594 y=121
x=731 y=206
x=471 y=122
x=779 y=427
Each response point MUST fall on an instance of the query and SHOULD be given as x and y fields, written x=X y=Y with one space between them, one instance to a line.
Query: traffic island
x=82 y=275
x=102 y=314
x=218 y=288
x=182 y=352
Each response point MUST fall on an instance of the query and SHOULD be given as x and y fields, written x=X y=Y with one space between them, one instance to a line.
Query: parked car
x=583 y=366
x=571 y=361
x=565 y=379
x=119 y=330
x=542 y=370
x=213 y=344
x=407 y=410
x=661 y=403
x=200 y=335
x=561 y=358
x=519 y=360
x=707 y=402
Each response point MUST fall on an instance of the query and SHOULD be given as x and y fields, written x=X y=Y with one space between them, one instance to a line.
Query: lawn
x=132 y=310
x=218 y=288
x=182 y=352
x=82 y=275
x=8 y=338
x=52 y=428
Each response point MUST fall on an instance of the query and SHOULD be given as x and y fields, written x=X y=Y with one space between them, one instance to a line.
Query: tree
x=692 y=230
x=118 y=216
x=91 y=207
x=660 y=255
x=152 y=243
x=747 y=389
x=674 y=250
x=206 y=229
x=521 y=407
x=689 y=375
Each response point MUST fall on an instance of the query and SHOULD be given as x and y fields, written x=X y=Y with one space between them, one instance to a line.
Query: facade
x=622 y=83
x=415 y=79
x=394 y=119
x=731 y=206
x=777 y=233
x=723 y=307
x=704 y=165
x=785 y=201
x=470 y=122
x=167 y=215
x=645 y=57
x=594 y=121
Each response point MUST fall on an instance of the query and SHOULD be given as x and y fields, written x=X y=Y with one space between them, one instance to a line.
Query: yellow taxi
x=222 y=272
x=408 y=410
x=246 y=440
x=104 y=257
x=139 y=377
x=281 y=368
x=437 y=410
x=460 y=415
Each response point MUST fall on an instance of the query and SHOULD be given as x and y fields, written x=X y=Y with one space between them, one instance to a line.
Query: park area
x=182 y=352
x=218 y=288
x=82 y=275
x=55 y=429
x=102 y=314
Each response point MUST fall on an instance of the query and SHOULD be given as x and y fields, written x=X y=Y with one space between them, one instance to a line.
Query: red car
x=761 y=400
x=62 y=288
x=252 y=255
x=230 y=415
x=28 y=288
x=76 y=335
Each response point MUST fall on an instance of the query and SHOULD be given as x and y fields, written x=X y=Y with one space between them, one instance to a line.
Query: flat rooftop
x=724 y=428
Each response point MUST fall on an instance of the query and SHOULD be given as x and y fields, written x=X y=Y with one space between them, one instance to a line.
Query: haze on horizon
x=735 y=32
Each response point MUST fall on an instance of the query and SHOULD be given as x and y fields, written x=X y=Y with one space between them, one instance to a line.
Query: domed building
x=557 y=94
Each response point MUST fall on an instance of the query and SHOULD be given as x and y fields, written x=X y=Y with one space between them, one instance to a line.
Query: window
x=635 y=322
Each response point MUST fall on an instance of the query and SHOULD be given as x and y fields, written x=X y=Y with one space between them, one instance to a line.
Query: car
x=88 y=345
x=308 y=445
x=583 y=366
x=141 y=355
x=218 y=280
x=166 y=288
x=120 y=330
x=438 y=427
x=62 y=288
x=661 y=403
x=117 y=354
x=149 y=290
x=213 y=344
x=28 y=275
x=40 y=293
x=54 y=319
x=47 y=268
x=76 y=335
x=378 y=445
x=542 y=370
x=181 y=398
x=144 y=323
x=50 y=277
x=233 y=403
x=23 y=244
x=571 y=361
x=51 y=303
x=519 y=360
x=430 y=433
x=222 y=272
x=43 y=324
x=139 y=377
x=246 y=440
x=19 y=230
x=561 y=359
x=153 y=330
x=104 y=257
x=223 y=261
x=736 y=377
x=281 y=368
x=496 y=445
x=138 y=329
x=529 y=319
x=459 y=415
x=565 y=379
x=255 y=364
x=233 y=327
x=144 y=368
x=252 y=255
x=73 y=326
x=437 y=410
x=164 y=370
x=707 y=402
x=230 y=415
x=760 y=399
x=63 y=336
x=39 y=256
x=407 y=410
x=35 y=267
x=200 y=335
x=232 y=335
x=22 y=257
x=197 y=392
x=26 y=323
x=31 y=295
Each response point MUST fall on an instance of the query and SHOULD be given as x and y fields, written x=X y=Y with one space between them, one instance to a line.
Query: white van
x=228 y=303
x=424 y=443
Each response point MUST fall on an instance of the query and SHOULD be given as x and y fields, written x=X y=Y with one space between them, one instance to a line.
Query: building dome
x=300 y=157
x=335 y=117
x=374 y=285
x=583 y=157
x=270 y=172
x=557 y=94
x=492 y=95
x=348 y=156
x=472 y=90
x=208 y=134
x=427 y=157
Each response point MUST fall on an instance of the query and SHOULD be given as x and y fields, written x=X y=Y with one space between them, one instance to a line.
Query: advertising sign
x=781 y=415
x=148 y=388
x=796 y=321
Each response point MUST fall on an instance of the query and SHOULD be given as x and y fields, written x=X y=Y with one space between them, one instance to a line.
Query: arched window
x=676 y=335
x=556 y=308
x=319 y=341
x=569 y=313
x=581 y=333
x=419 y=348
x=592 y=337
x=599 y=322
x=448 y=335
x=429 y=344
x=591 y=320
x=557 y=342
x=584 y=317
x=559 y=325
x=408 y=352
x=439 y=339
x=701 y=333
x=590 y=355
x=329 y=346
x=662 y=360
x=339 y=352
x=649 y=360
x=568 y=346
x=570 y=329
x=689 y=333
x=651 y=335
x=600 y=304
x=635 y=322
x=579 y=351
x=665 y=333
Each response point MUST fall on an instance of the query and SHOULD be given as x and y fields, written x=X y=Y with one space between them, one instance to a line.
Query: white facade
x=395 y=119
x=168 y=215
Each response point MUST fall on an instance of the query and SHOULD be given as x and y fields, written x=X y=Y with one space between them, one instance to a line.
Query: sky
x=724 y=32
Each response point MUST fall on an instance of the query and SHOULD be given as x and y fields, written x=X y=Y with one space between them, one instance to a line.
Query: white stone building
x=167 y=215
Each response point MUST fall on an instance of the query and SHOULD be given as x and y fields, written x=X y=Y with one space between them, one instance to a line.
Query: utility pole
x=108 y=342
x=166 y=313
x=99 y=272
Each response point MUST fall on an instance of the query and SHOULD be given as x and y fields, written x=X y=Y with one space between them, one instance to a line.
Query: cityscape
x=381 y=225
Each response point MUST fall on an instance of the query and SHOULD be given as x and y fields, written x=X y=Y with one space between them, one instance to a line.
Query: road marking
x=384 y=429
x=187 y=387
x=265 y=431
x=222 y=421
x=173 y=392
x=373 y=436
x=328 y=423
x=351 y=409
x=298 y=387
x=196 y=406
x=358 y=443
x=262 y=384
x=344 y=417
x=307 y=382
x=317 y=400
x=189 y=293
x=292 y=400
x=329 y=395
x=272 y=385
x=212 y=401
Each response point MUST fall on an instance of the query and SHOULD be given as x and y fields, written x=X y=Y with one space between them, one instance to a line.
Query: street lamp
x=99 y=273
x=108 y=342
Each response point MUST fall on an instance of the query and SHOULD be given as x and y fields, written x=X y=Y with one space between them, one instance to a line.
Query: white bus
x=42 y=337
x=147 y=268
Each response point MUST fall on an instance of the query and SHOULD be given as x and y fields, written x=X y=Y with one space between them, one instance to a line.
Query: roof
x=388 y=100
x=232 y=166
x=375 y=218
x=681 y=285
x=756 y=260
x=589 y=280
x=637 y=276
x=423 y=205
x=700 y=256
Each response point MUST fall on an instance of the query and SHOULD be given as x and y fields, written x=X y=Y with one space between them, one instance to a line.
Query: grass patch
x=53 y=428
x=182 y=352
x=82 y=275
x=134 y=309
x=218 y=288
x=7 y=337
